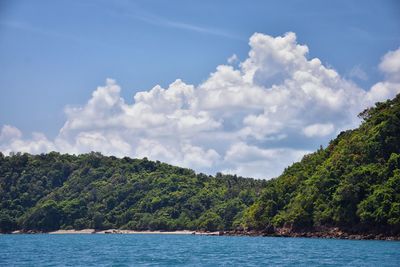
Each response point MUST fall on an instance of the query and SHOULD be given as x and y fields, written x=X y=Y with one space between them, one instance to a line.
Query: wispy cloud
x=138 y=13
x=163 y=22
x=129 y=11
x=358 y=73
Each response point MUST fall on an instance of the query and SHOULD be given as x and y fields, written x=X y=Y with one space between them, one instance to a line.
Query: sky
x=244 y=87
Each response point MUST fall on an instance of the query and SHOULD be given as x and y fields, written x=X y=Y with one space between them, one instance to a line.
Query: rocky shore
x=323 y=232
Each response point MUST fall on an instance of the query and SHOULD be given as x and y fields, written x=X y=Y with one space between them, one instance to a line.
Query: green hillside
x=353 y=184
x=53 y=191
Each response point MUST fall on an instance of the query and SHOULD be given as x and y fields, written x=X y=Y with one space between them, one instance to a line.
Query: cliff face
x=353 y=184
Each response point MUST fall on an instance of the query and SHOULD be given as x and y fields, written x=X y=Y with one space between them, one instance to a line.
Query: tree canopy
x=52 y=191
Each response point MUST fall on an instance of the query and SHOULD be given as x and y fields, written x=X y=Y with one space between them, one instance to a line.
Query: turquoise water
x=183 y=250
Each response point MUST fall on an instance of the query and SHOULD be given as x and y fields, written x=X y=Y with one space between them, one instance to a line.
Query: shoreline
x=330 y=233
x=131 y=232
x=333 y=233
x=118 y=231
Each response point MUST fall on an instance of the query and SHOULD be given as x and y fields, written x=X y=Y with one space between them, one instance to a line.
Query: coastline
x=131 y=232
x=118 y=231
x=326 y=233
x=330 y=233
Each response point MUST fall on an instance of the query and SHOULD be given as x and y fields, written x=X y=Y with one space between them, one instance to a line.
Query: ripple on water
x=183 y=250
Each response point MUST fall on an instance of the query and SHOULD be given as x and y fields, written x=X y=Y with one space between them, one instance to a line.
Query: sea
x=191 y=250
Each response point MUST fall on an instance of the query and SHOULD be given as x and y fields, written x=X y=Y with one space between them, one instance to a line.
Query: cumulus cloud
x=233 y=59
x=318 y=129
x=254 y=161
x=38 y=143
x=390 y=65
x=252 y=119
x=9 y=132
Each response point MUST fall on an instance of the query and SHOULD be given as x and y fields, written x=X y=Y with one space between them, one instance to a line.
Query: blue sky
x=54 y=54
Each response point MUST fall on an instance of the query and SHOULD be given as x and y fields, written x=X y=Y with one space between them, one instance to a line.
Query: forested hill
x=52 y=191
x=353 y=184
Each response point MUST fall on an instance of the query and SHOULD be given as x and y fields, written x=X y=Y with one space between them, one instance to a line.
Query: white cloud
x=390 y=65
x=233 y=59
x=359 y=73
x=156 y=150
x=198 y=157
x=252 y=161
x=9 y=132
x=37 y=144
x=318 y=129
x=253 y=119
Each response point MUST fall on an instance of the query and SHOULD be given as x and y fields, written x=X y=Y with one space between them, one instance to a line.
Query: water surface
x=183 y=250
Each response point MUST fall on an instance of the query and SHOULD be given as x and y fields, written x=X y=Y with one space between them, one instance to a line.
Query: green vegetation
x=52 y=191
x=353 y=184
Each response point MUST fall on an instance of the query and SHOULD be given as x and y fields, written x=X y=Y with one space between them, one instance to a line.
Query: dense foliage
x=52 y=191
x=353 y=184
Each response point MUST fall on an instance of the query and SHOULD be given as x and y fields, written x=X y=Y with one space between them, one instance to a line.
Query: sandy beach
x=83 y=231
x=118 y=231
